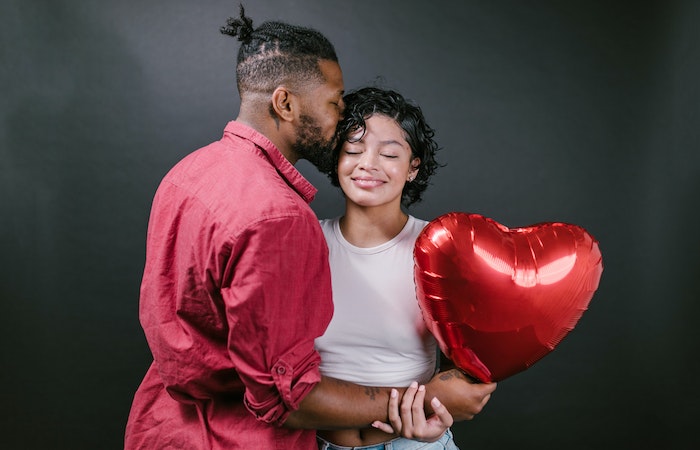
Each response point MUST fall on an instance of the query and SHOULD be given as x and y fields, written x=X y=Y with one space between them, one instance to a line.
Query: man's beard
x=311 y=146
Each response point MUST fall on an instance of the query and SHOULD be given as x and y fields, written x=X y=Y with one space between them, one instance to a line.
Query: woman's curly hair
x=362 y=104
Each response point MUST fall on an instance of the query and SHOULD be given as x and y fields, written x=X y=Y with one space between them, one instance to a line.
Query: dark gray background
x=578 y=111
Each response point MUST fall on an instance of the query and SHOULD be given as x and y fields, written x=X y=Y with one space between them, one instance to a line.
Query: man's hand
x=409 y=419
x=462 y=396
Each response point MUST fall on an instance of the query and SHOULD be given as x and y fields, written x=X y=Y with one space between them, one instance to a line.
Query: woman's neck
x=370 y=227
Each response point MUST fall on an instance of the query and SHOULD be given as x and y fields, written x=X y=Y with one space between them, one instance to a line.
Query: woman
x=384 y=158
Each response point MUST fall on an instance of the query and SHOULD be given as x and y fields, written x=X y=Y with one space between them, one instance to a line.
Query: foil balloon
x=499 y=299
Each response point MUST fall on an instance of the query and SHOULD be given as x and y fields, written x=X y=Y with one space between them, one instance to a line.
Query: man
x=236 y=284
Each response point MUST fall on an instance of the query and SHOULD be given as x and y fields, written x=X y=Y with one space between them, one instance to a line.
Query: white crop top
x=377 y=336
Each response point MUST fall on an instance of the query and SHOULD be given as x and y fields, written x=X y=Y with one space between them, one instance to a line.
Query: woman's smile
x=367 y=182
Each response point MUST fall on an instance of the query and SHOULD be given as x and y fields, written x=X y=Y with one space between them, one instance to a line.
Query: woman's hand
x=408 y=419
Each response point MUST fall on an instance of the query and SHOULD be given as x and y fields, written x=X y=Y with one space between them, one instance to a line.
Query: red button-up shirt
x=236 y=287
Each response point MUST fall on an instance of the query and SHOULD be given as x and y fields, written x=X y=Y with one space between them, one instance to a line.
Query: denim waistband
x=325 y=445
x=388 y=445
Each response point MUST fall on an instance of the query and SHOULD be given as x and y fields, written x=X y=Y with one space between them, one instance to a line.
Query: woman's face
x=373 y=170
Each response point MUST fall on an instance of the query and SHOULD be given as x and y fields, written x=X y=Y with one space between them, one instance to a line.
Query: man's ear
x=284 y=103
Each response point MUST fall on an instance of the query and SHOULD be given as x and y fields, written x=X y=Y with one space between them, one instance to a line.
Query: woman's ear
x=413 y=171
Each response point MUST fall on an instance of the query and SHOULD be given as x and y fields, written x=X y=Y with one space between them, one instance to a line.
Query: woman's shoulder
x=328 y=225
x=329 y=222
x=413 y=228
x=416 y=223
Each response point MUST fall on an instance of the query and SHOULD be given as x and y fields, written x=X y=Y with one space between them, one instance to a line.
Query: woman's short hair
x=362 y=104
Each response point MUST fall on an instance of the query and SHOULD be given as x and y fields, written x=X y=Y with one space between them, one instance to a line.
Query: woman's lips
x=367 y=182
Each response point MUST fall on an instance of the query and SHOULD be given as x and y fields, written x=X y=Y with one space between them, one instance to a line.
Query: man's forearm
x=338 y=404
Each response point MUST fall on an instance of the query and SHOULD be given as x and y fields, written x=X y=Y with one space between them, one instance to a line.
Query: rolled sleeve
x=293 y=381
x=278 y=303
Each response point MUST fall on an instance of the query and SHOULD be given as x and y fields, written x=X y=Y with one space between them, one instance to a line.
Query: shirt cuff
x=292 y=384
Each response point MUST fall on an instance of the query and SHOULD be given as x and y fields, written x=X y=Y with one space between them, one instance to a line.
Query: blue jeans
x=446 y=442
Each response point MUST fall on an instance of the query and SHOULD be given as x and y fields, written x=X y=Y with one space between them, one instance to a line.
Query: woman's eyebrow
x=391 y=142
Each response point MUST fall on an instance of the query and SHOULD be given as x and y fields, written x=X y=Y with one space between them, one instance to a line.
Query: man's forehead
x=333 y=74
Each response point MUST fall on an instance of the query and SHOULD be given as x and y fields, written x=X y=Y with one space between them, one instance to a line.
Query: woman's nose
x=368 y=161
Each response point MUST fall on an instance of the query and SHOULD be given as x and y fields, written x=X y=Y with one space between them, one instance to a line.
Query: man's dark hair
x=276 y=53
x=362 y=104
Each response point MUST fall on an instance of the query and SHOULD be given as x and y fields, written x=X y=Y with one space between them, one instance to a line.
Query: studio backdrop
x=584 y=112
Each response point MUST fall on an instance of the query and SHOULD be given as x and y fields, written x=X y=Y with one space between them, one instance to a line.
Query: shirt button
x=281 y=370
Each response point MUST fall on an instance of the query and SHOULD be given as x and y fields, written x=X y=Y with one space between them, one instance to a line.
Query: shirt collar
x=286 y=170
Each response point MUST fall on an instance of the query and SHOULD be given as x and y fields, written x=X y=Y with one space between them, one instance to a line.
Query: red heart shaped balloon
x=499 y=299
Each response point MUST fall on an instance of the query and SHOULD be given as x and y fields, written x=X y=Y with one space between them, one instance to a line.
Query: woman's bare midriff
x=355 y=438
